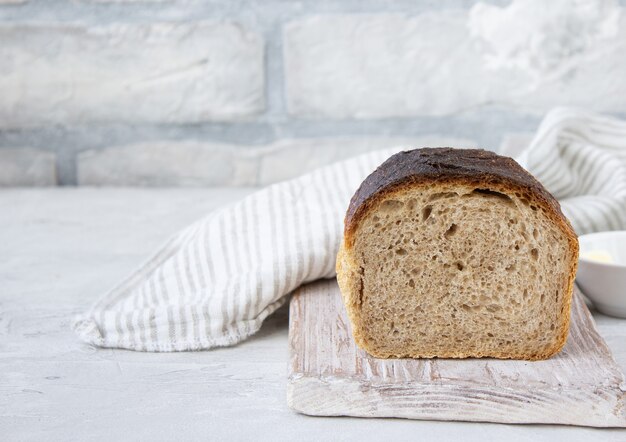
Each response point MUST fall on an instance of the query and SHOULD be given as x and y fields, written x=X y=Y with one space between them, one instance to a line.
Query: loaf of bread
x=456 y=253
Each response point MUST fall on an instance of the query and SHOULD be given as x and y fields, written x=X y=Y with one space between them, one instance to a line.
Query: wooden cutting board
x=330 y=376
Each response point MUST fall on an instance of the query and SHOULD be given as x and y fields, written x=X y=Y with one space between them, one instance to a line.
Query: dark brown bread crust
x=444 y=164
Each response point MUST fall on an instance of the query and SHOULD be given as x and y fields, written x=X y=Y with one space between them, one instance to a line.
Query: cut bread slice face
x=453 y=254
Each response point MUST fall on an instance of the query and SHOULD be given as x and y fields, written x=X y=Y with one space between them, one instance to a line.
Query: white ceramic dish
x=604 y=283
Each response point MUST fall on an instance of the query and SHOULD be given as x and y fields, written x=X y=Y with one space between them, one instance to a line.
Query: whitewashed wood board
x=330 y=376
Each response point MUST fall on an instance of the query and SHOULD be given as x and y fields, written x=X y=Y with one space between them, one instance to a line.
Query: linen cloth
x=215 y=282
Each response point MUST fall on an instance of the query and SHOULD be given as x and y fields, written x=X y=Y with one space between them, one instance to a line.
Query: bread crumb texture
x=448 y=268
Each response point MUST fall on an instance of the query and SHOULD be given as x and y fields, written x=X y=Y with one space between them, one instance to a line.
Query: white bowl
x=604 y=283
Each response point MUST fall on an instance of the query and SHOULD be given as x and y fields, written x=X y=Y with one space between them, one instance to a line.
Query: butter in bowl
x=602 y=271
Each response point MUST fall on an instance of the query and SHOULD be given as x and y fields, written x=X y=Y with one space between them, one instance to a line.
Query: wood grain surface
x=330 y=376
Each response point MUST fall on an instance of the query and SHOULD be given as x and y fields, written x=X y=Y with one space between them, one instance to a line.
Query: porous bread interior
x=460 y=271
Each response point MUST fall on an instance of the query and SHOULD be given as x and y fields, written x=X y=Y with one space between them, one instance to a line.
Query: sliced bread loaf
x=456 y=253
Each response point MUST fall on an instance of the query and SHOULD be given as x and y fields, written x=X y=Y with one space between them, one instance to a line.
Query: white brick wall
x=128 y=1
x=157 y=73
x=376 y=66
x=25 y=166
x=164 y=163
x=248 y=92
x=391 y=65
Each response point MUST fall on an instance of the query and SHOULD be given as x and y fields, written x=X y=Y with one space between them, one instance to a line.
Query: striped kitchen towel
x=215 y=282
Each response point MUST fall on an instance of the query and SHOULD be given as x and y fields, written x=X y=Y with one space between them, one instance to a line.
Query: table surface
x=60 y=249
